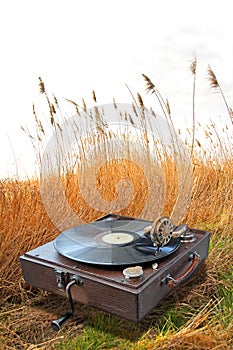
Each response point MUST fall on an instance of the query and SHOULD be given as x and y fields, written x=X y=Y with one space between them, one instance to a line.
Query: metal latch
x=62 y=278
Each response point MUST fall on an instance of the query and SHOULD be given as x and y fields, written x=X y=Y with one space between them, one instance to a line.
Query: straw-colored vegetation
x=198 y=315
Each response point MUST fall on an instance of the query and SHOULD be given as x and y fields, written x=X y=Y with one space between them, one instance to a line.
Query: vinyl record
x=112 y=243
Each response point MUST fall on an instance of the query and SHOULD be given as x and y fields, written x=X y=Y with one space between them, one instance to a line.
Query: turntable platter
x=112 y=243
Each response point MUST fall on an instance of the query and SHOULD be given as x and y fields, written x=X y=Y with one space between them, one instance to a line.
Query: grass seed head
x=140 y=100
x=193 y=65
x=212 y=79
x=41 y=86
x=94 y=96
x=84 y=105
x=150 y=87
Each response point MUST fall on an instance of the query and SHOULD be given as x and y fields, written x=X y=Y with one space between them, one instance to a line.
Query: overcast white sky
x=77 y=46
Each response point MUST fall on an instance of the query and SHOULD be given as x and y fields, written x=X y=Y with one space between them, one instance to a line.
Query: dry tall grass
x=25 y=225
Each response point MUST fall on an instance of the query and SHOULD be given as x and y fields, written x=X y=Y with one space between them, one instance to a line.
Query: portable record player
x=121 y=265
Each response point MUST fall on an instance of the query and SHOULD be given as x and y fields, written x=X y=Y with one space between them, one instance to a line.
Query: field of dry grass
x=198 y=315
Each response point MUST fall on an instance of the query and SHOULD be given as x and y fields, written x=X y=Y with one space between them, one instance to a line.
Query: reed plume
x=84 y=105
x=212 y=79
x=140 y=100
x=150 y=87
x=94 y=96
x=214 y=84
x=41 y=86
x=193 y=65
x=114 y=103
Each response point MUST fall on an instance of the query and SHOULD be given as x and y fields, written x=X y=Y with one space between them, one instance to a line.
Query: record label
x=117 y=238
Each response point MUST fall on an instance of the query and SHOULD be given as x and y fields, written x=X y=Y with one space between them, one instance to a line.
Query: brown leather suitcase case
x=106 y=287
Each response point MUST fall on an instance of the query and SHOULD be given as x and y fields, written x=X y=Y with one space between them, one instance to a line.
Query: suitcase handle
x=173 y=282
